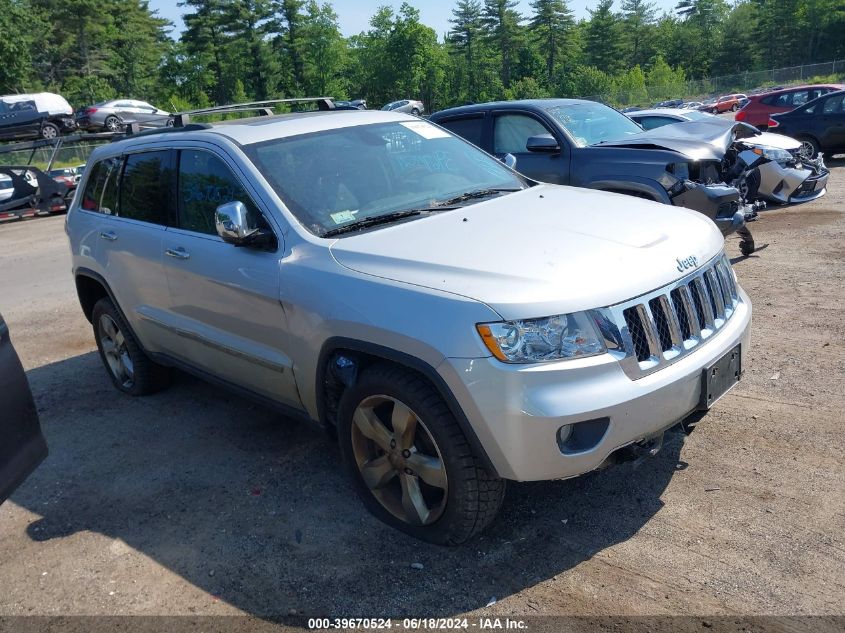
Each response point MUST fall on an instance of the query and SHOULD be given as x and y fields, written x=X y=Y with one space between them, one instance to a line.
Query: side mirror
x=509 y=160
x=542 y=143
x=232 y=225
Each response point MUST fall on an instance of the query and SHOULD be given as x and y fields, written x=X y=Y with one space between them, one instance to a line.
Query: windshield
x=591 y=123
x=337 y=177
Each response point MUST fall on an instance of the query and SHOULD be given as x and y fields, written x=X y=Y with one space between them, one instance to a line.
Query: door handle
x=111 y=236
x=178 y=253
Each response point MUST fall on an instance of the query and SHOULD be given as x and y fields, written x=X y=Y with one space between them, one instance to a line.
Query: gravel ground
x=197 y=502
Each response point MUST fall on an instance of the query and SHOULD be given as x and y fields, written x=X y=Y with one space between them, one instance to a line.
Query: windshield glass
x=591 y=123
x=332 y=178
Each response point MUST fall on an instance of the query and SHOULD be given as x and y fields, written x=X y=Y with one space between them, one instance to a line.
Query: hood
x=546 y=250
x=767 y=139
x=697 y=140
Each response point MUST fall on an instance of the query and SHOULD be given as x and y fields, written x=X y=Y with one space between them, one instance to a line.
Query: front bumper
x=718 y=202
x=516 y=411
x=792 y=184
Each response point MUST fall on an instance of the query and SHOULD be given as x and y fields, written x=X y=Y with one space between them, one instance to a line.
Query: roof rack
x=181 y=119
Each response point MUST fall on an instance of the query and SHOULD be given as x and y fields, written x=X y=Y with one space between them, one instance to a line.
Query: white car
x=456 y=324
x=408 y=106
x=775 y=170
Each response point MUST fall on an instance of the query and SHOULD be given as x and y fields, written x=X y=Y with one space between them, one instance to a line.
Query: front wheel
x=415 y=112
x=409 y=460
x=49 y=131
x=734 y=108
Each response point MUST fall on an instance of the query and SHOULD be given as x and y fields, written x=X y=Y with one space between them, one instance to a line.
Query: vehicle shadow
x=255 y=510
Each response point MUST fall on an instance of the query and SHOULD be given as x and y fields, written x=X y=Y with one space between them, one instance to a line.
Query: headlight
x=546 y=339
x=674 y=176
x=775 y=154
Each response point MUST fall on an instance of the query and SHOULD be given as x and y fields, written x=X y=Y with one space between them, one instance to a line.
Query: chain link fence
x=747 y=82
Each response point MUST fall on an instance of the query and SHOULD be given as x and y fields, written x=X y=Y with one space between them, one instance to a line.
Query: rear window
x=470 y=128
x=146 y=187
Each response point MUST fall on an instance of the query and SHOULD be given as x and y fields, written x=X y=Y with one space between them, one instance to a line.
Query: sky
x=354 y=15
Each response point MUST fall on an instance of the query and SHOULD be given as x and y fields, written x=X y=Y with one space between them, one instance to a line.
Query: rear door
x=22 y=446
x=138 y=204
x=19 y=119
x=225 y=299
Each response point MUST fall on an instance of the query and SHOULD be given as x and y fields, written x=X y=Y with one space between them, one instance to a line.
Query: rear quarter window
x=100 y=193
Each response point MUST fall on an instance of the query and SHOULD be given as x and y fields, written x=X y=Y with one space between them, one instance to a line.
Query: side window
x=206 y=182
x=833 y=105
x=511 y=133
x=801 y=97
x=146 y=188
x=100 y=193
x=651 y=122
x=470 y=128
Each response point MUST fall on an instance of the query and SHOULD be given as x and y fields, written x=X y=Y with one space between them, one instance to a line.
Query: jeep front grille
x=656 y=329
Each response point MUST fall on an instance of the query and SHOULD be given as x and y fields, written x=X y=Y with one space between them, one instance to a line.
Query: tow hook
x=646 y=448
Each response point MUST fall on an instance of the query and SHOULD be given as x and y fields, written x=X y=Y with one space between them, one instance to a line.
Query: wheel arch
x=90 y=288
x=640 y=189
x=365 y=354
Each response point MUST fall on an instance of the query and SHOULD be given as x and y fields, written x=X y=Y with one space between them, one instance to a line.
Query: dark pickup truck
x=588 y=144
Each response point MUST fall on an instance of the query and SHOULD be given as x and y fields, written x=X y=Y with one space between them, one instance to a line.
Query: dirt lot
x=195 y=501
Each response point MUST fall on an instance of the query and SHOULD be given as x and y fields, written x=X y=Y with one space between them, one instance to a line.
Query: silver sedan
x=114 y=115
x=406 y=105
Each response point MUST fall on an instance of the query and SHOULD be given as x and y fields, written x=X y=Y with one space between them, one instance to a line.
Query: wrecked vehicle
x=775 y=170
x=588 y=144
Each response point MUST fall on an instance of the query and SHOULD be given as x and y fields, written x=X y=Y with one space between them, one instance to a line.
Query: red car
x=759 y=107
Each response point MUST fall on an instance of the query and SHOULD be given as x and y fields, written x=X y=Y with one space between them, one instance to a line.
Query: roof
x=784 y=89
x=537 y=104
x=263 y=128
x=664 y=111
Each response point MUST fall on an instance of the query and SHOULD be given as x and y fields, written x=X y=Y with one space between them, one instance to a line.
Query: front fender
x=646 y=186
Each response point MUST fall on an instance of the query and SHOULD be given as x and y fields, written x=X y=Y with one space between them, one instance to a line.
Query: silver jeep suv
x=456 y=324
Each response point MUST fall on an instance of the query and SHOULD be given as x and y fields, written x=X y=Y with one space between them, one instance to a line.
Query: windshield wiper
x=470 y=195
x=387 y=218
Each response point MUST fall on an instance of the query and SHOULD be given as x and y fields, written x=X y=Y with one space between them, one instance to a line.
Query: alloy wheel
x=112 y=124
x=807 y=150
x=48 y=132
x=114 y=348
x=398 y=460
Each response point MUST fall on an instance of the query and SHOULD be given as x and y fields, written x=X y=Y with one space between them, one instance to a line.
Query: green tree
x=205 y=37
x=500 y=20
x=552 y=26
x=247 y=23
x=638 y=17
x=602 y=34
x=325 y=59
x=20 y=27
x=291 y=43
x=466 y=43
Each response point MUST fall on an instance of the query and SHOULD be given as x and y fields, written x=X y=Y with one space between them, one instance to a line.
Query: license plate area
x=718 y=378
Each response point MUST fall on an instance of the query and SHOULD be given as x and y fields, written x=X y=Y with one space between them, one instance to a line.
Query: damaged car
x=762 y=165
x=588 y=144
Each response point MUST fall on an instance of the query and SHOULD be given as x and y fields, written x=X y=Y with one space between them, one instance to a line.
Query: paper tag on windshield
x=343 y=216
x=426 y=130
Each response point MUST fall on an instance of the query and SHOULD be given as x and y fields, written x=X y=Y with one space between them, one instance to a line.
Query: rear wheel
x=411 y=464
x=734 y=107
x=415 y=112
x=809 y=147
x=112 y=123
x=129 y=368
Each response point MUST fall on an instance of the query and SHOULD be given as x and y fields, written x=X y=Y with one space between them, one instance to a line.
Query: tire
x=415 y=112
x=129 y=368
x=112 y=123
x=169 y=122
x=734 y=108
x=746 y=247
x=809 y=146
x=448 y=514
x=49 y=131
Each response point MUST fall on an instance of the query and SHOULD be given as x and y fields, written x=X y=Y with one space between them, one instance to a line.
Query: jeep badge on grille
x=686 y=264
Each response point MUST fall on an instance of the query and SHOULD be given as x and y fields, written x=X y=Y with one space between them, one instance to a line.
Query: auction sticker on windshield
x=426 y=130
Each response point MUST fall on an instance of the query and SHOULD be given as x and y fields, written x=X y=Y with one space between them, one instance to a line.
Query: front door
x=511 y=131
x=225 y=299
